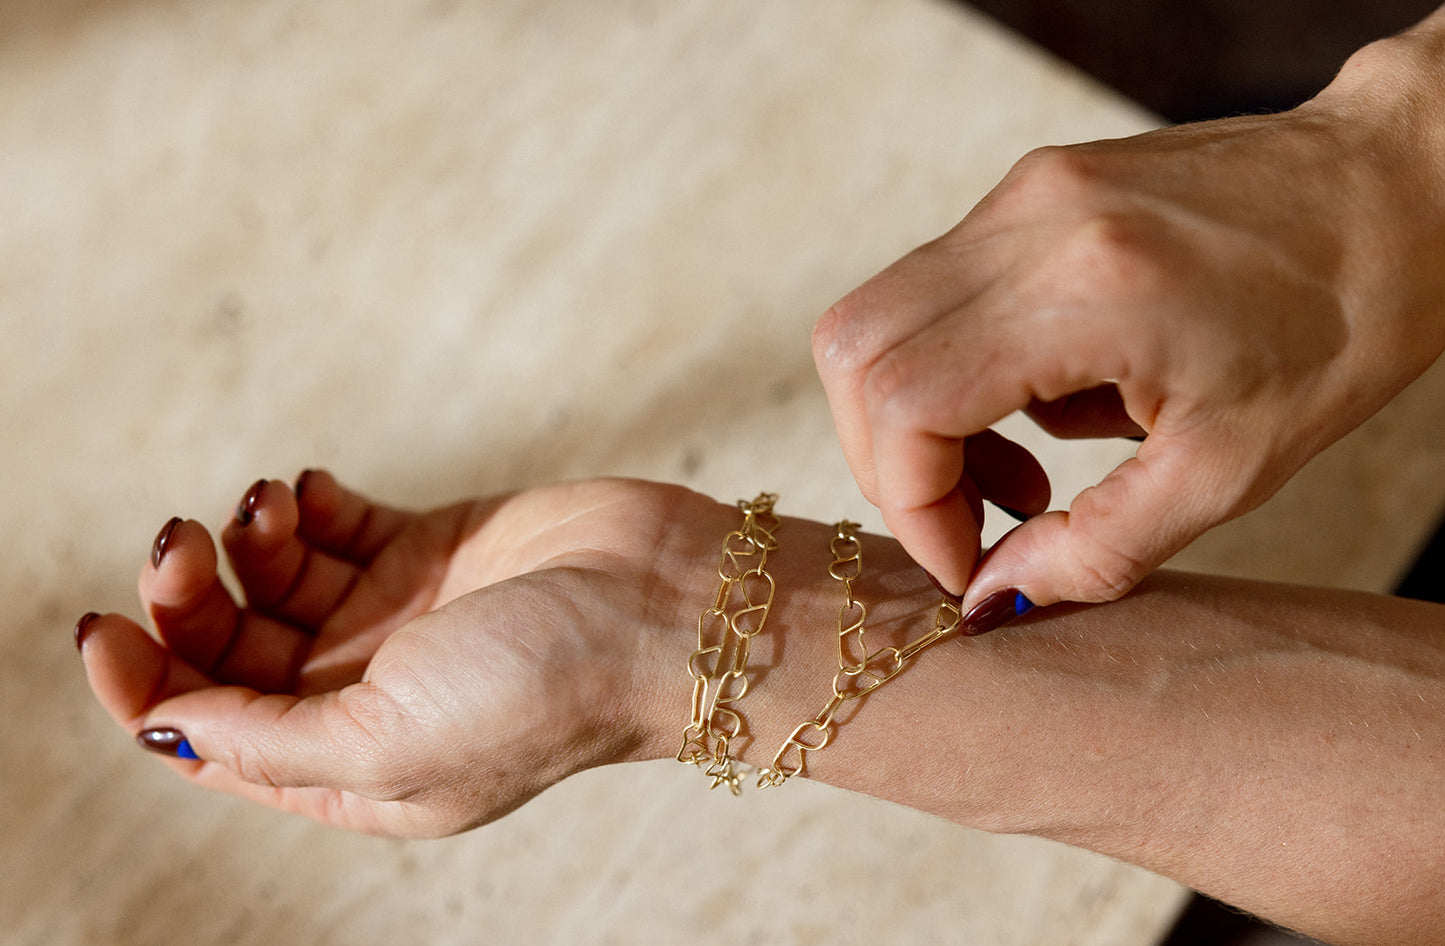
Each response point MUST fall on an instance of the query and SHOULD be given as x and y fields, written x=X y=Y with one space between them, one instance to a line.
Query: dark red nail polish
x=166 y=741
x=300 y=486
x=82 y=628
x=939 y=585
x=246 y=508
x=163 y=541
x=995 y=611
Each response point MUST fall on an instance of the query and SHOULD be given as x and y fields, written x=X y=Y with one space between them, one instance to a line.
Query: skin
x=1277 y=747
x=1244 y=292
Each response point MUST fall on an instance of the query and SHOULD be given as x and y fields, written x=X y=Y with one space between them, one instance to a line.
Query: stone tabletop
x=445 y=249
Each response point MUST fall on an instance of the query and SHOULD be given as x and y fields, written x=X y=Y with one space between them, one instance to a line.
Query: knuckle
x=251 y=763
x=366 y=736
x=1104 y=572
x=890 y=391
x=885 y=382
x=1109 y=243
x=1054 y=173
x=257 y=762
x=841 y=341
x=1116 y=255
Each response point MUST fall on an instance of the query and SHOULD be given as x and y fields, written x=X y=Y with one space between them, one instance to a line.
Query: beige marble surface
x=447 y=248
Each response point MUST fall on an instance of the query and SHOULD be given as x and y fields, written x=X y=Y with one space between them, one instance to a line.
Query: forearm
x=1274 y=746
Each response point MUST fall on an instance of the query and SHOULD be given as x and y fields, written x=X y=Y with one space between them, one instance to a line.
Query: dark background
x=1196 y=59
x=1190 y=60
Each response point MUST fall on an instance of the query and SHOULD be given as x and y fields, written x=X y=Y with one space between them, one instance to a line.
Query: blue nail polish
x=167 y=741
x=995 y=611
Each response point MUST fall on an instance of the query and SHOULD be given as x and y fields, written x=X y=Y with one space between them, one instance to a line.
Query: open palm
x=395 y=672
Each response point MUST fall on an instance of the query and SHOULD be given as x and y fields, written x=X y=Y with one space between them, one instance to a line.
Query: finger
x=201 y=624
x=918 y=411
x=918 y=475
x=313 y=756
x=944 y=535
x=1114 y=533
x=144 y=686
x=996 y=469
x=348 y=740
x=279 y=573
x=128 y=671
x=1094 y=412
x=342 y=523
x=870 y=321
x=1006 y=473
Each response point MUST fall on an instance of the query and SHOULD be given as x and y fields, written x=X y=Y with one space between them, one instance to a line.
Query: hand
x=1244 y=292
x=408 y=674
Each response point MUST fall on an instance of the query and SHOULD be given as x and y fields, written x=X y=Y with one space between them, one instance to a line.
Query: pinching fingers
x=1113 y=535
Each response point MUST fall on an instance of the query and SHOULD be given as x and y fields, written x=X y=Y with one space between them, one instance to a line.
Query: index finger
x=871 y=321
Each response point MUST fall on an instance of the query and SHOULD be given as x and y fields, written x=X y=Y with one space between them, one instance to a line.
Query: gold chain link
x=859 y=672
x=724 y=635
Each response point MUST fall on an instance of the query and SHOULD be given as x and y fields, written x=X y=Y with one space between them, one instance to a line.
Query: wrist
x=794 y=660
x=683 y=581
x=1399 y=73
x=1383 y=122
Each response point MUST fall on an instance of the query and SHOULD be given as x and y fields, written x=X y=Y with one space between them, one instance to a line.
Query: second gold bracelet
x=859 y=671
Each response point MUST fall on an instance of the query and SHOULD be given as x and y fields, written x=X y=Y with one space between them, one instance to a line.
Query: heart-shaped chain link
x=738 y=613
x=725 y=630
x=860 y=671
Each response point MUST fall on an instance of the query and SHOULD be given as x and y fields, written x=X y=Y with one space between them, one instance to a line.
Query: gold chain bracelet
x=724 y=635
x=859 y=672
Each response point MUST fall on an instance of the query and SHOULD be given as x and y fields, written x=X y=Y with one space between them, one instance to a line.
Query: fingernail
x=166 y=741
x=163 y=541
x=995 y=611
x=301 y=483
x=1020 y=516
x=939 y=585
x=82 y=628
x=246 y=508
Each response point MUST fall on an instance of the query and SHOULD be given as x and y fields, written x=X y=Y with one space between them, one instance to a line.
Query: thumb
x=343 y=739
x=1114 y=534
